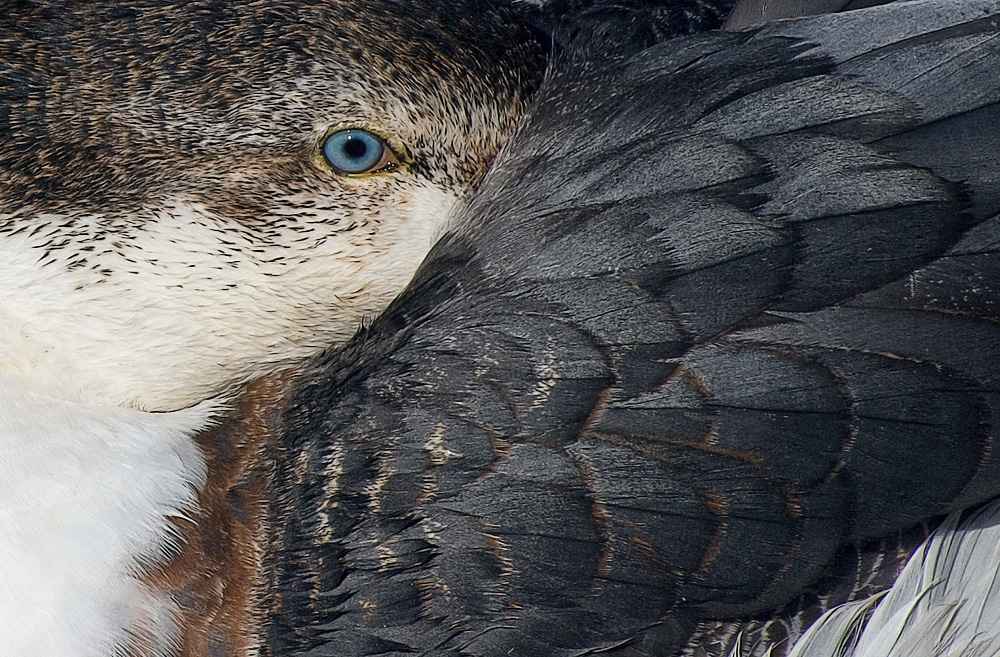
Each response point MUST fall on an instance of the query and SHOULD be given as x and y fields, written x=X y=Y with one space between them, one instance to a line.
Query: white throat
x=191 y=304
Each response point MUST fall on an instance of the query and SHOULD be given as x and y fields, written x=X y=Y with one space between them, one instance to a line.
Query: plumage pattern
x=170 y=231
x=602 y=30
x=754 y=13
x=944 y=603
x=715 y=337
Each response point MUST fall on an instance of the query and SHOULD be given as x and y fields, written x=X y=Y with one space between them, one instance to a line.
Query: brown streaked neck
x=216 y=578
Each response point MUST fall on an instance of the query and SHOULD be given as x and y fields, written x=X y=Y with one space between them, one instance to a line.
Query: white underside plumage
x=86 y=491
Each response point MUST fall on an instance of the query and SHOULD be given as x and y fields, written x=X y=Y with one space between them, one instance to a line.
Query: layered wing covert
x=723 y=314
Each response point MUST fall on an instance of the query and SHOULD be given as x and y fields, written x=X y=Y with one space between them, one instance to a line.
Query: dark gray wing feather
x=755 y=13
x=723 y=314
x=608 y=28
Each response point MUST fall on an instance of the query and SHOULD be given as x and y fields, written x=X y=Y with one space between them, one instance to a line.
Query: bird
x=711 y=353
x=193 y=195
x=705 y=350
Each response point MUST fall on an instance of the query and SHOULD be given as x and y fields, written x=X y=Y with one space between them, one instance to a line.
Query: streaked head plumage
x=164 y=203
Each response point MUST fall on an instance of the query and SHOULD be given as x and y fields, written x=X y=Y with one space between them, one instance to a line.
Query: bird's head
x=194 y=194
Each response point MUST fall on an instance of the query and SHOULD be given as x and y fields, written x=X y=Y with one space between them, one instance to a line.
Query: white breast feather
x=85 y=494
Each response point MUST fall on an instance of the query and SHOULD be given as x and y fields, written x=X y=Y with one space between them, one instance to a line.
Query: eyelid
x=394 y=153
x=387 y=162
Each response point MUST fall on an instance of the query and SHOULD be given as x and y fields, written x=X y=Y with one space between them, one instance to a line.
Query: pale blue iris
x=353 y=151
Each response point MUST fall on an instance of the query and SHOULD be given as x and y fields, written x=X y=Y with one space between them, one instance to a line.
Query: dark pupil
x=355 y=148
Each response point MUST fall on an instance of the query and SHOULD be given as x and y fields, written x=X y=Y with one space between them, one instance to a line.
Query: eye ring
x=354 y=151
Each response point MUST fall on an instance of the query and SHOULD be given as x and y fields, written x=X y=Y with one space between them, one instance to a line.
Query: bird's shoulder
x=720 y=310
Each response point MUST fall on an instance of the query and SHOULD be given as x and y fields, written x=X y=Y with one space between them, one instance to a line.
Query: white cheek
x=195 y=304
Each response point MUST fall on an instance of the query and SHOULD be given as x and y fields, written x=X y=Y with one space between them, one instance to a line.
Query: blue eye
x=356 y=151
